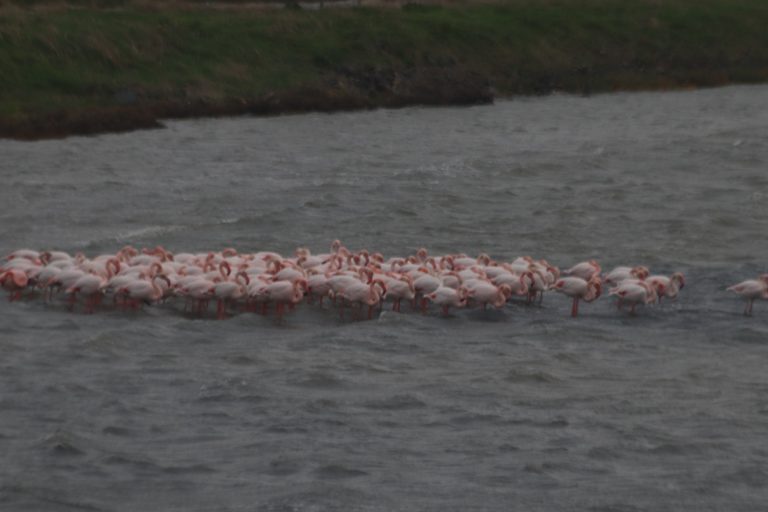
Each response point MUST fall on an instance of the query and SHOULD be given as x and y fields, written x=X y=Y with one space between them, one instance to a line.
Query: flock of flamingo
x=258 y=282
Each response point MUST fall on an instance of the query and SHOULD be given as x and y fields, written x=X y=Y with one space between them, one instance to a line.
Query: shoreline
x=98 y=120
x=105 y=120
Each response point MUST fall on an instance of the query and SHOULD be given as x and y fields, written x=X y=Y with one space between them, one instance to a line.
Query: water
x=524 y=409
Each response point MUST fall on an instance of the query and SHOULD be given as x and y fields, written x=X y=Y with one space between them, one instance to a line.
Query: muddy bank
x=350 y=89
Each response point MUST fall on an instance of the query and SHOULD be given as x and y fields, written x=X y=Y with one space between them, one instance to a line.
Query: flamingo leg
x=575 y=307
x=445 y=310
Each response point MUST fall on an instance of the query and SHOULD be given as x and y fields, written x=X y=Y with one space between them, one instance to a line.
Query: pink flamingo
x=368 y=294
x=619 y=274
x=750 y=290
x=586 y=270
x=634 y=292
x=141 y=290
x=424 y=285
x=14 y=281
x=447 y=297
x=579 y=289
x=228 y=291
x=486 y=293
x=399 y=287
x=91 y=286
x=667 y=286
x=285 y=293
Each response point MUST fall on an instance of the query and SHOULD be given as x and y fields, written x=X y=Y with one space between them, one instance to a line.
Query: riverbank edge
x=454 y=90
x=118 y=119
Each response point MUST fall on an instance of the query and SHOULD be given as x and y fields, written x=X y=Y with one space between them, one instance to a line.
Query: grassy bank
x=84 y=69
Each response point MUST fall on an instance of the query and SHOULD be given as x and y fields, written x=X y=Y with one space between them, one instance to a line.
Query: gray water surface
x=522 y=409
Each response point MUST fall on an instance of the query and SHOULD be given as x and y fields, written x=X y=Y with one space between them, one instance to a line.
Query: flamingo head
x=113 y=266
x=484 y=259
x=127 y=252
x=680 y=278
x=378 y=282
x=18 y=278
x=421 y=254
x=245 y=277
x=596 y=287
x=165 y=278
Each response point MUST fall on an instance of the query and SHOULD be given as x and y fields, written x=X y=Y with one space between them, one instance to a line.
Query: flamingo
x=486 y=293
x=634 y=292
x=519 y=284
x=140 y=290
x=285 y=293
x=750 y=290
x=27 y=254
x=579 y=289
x=228 y=291
x=424 y=285
x=368 y=294
x=14 y=281
x=200 y=291
x=447 y=297
x=667 y=286
x=399 y=287
x=92 y=287
x=586 y=270
x=619 y=274
x=317 y=286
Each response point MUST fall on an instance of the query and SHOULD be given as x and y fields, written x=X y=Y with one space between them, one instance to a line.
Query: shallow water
x=523 y=409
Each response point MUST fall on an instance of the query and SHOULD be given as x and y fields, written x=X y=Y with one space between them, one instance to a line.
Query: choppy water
x=524 y=409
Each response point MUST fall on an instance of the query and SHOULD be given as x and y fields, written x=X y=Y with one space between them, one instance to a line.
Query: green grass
x=58 y=58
